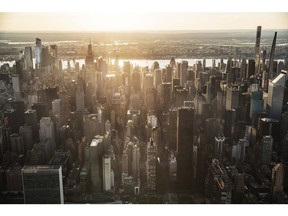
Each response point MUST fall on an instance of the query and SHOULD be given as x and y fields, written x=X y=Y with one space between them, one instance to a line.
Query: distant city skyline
x=144 y=21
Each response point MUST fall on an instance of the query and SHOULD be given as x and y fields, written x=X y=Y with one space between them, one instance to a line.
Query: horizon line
x=136 y=31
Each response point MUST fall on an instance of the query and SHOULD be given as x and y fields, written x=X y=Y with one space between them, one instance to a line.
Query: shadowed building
x=43 y=184
x=185 y=124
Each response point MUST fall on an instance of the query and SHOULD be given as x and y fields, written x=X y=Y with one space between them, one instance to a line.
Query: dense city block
x=202 y=119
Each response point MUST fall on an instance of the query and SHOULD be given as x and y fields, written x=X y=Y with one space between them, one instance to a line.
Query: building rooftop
x=41 y=168
x=95 y=142
x=269 y=120
x=59 y=158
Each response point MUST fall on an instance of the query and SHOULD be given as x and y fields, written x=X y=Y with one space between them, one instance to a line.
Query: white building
x=106 y=163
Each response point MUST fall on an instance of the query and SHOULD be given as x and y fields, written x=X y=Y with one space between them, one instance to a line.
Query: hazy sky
x=131 y=21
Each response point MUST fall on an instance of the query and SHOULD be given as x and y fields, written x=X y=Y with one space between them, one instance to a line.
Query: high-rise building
x=17 y=144
x=54 y=56
x=169 y=74
x=276 y=95
x=267 y=144
x=136 y=80
x=79 y=97
x=30 y=119
x=46 y=133
x=257 y=50
x=185 y=124
x=165 y=96
x=91 y=126
x=45 y=57
x=12 y=119
x=218 y=186
x=219 y=146
x=56 y=107
x=28 y=58
x=16 y=86
x=41 y=110
x=89 y=60
x=277 y=179
x=232 y=98
x=172 y=168
x=243 y=69
x=183 y=73
x=250 y=68
x=27 y=134
x=172 y=129
x=150 y=101
x=38 y=49
x=256 y=102
x=43 y=184
x=19 y=108
x=272 y=54
x=14 y=178
x=106 y=163
x=136 y=161
x=151 y=165
x=238 y=150
x=125 y=163
x=96 y=153
x=156 y=78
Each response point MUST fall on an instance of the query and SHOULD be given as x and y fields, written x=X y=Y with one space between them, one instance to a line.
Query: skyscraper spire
x=272 y=53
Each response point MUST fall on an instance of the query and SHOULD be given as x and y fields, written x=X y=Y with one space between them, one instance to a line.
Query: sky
x=141 y=15
x=80 y=21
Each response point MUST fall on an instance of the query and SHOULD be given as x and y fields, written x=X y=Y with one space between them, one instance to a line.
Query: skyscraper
x=46 y=133
x=96 y=151
x=151 y=165
x=79 y=97
x=232 y=98
x=156 y=78
x=28 y=58
x=257 y=50
x=91 y=123
x=267 y=143
x=54 y=56
x=16 y=83
x=38 y=49
x=43 y=184
x=250 y=68
x=272 y=54
x=219 y=145
x=136 y=161
x=17 y=144
x=27 y=134
x=106 y=163
x=276 y=95
x=277 y=179
x=256 y=102
x=185 y=124
x=183 y=73
x=30 y=117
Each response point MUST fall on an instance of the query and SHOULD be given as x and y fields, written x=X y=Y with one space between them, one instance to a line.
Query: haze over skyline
x=144 y=21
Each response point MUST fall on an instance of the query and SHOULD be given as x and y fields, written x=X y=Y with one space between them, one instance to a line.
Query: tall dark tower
x=257 y=50
x=264 y=54
x=272 y=53
x=185 y=123
x=89 y=60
